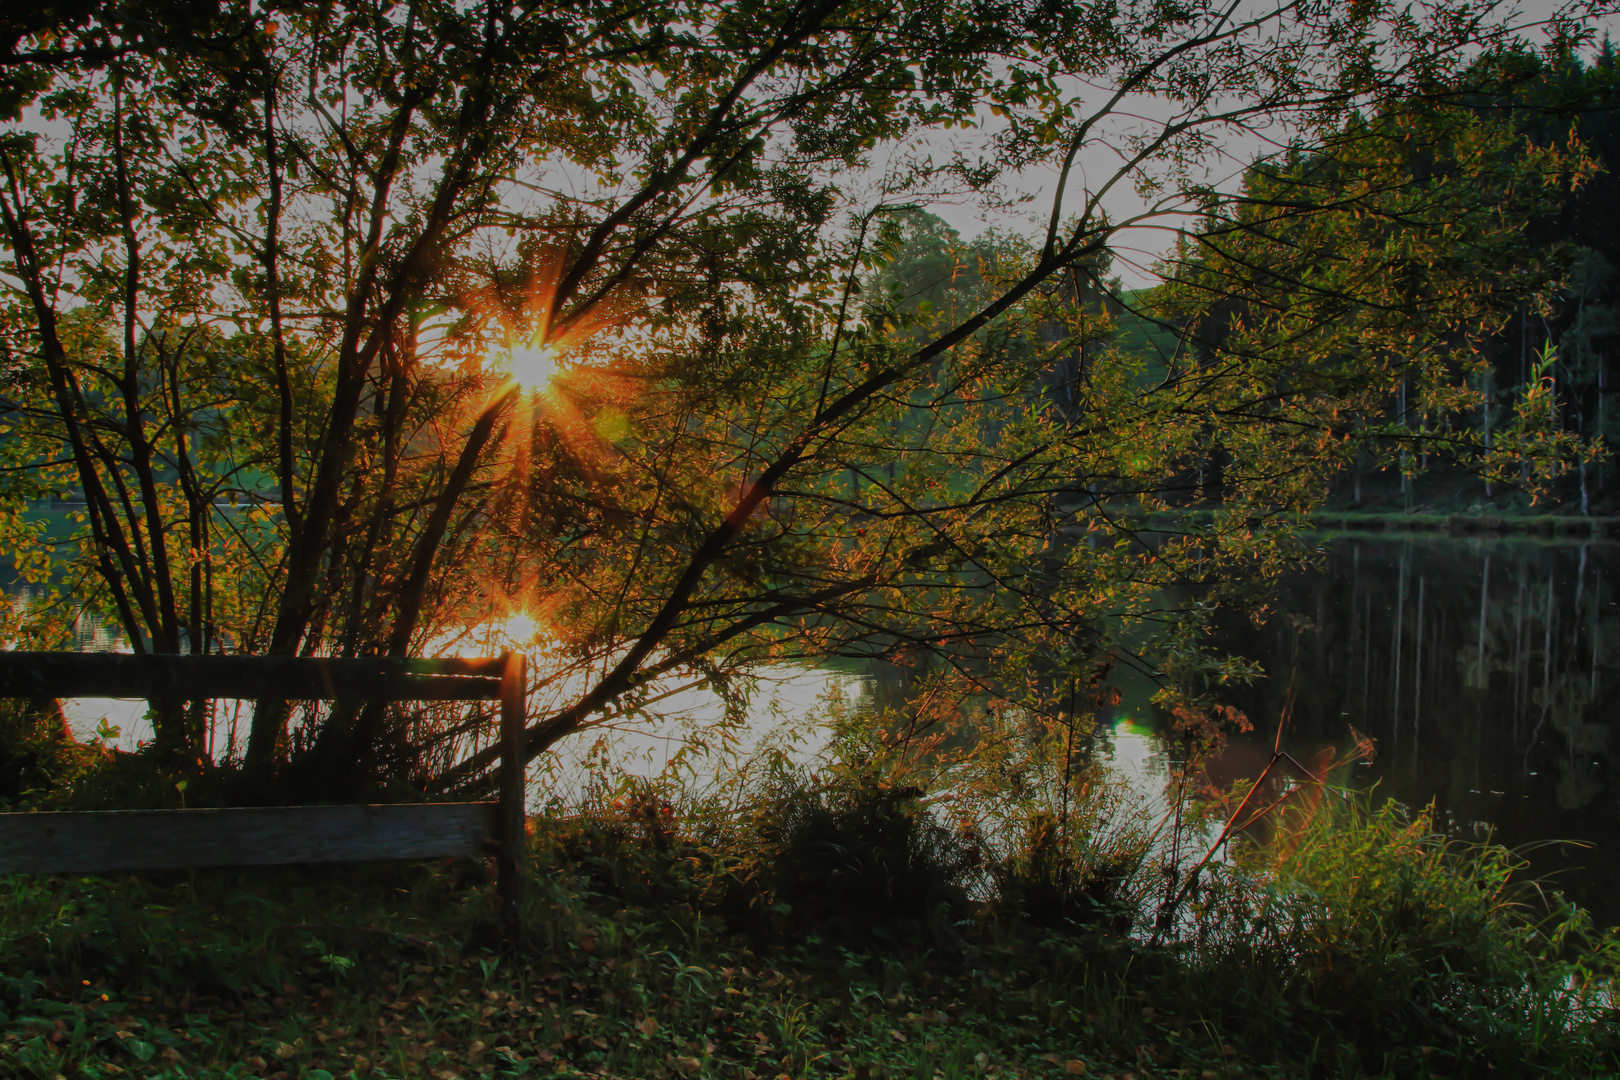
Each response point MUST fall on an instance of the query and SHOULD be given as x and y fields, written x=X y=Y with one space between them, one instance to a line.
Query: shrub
x=1049 y=879
x=858 y=852
x=39 y=759
x=1403 y=941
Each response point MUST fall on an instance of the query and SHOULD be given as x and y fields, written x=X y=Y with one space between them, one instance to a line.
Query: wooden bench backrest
x=286 y=678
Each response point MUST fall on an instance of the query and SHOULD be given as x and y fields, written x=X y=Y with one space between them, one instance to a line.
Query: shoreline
x=1554 y=527
x=1538 y=525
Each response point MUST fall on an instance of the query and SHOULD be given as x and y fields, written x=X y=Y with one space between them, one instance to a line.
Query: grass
x=835 y=933
x=842 y=924
x=176 y=979
x=1413 y=952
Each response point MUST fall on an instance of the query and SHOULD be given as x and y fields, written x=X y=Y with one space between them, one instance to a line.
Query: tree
x=1361 y=285
x=258 y=257
x=1571 y=100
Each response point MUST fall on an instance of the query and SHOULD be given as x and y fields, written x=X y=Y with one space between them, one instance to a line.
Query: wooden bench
x=87 y=842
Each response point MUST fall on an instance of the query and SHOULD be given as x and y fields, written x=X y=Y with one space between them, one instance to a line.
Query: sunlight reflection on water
x=690 y=739
x=788 y=712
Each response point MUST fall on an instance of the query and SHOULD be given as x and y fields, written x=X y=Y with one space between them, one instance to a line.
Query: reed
x=1407 y=949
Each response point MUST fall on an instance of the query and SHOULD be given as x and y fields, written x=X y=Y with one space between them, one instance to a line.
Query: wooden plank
x=292 y=678
x=89 y=842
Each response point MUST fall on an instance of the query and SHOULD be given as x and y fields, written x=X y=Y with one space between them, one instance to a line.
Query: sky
x=1137 y=249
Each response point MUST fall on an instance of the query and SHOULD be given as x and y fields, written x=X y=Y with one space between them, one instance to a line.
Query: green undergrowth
x=839 y=932
x=1404 y=952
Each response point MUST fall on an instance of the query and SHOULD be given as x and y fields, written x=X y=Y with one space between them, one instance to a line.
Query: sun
x=533 y=366
x=521 y=628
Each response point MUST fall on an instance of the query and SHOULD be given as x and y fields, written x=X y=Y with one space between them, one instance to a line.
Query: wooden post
x=510 y=862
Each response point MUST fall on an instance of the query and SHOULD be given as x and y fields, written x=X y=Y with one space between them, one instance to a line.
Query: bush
x=39 y=759
x=842 y=856
x=857 y=853
x=1048 y=881
x=1406 y=945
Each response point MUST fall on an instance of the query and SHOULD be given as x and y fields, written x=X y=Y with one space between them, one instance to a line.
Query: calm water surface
x=1487 y=671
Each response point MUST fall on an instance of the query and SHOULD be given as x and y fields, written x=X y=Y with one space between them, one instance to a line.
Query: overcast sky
x=1137 y=249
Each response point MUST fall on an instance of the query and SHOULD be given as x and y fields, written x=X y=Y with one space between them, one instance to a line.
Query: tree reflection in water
x=1485 y=670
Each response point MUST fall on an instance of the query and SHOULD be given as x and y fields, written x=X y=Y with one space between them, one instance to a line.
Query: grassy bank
x=1561 y=526
x=831 y=934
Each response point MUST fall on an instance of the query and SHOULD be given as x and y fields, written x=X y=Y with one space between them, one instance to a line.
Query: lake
x=1485 y=670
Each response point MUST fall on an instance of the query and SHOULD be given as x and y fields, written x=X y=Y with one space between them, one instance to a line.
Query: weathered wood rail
x=269 y=836
x=66 y=843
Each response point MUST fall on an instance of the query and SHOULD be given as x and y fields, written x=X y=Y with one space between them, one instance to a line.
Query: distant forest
x=1558 y=322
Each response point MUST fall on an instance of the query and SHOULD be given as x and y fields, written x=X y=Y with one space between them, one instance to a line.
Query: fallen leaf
x=1074 y=1067
x=648 y=1026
